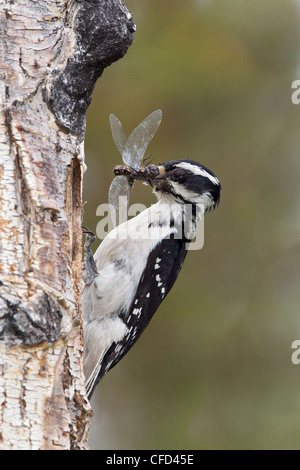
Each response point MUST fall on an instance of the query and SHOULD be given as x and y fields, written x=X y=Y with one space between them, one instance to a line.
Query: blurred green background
x=213 y=370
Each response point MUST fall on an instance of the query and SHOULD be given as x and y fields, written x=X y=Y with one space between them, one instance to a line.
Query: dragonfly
x=132 y=150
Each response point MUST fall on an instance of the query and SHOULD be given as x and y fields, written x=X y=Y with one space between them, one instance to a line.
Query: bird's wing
x=163 y=266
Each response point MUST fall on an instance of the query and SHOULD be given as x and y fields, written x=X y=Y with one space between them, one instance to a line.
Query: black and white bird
x=138 y=262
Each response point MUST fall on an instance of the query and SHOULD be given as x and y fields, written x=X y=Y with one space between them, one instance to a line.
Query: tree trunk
x=51 y=53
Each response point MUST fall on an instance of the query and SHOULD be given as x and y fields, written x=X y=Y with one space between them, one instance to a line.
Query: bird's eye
x=177 y=174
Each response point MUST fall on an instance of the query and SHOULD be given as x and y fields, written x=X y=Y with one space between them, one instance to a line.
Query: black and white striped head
x=189 y=182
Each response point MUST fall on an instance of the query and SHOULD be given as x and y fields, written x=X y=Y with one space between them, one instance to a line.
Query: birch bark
x=51 y=54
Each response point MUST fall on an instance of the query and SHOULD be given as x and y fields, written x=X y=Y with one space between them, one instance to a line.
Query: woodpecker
x=138 y=262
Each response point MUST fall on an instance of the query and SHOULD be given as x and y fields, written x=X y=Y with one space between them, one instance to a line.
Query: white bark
x=45 y=89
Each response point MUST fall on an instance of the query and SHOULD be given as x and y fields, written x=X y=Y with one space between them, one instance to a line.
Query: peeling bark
x=51 y=53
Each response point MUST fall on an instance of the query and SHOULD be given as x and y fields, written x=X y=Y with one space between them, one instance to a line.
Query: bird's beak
x=152 y=174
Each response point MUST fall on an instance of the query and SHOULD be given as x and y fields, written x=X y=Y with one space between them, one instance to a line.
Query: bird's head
x=182 y=181
x=187 y=182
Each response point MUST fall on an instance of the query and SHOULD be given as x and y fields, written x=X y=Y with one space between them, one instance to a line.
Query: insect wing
x=132 y=150
x=118 y=198
x=118 y=133
x=140 y=138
